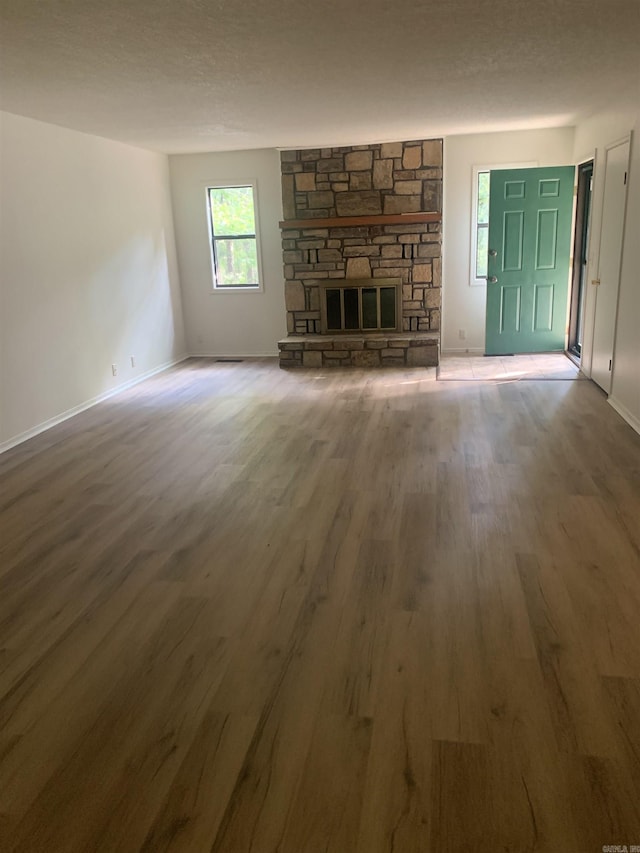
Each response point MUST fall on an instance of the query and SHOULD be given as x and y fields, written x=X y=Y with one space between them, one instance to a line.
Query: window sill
x=221 y=290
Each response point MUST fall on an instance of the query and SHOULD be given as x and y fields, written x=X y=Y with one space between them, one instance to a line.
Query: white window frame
x=227 y=288
x=530 y=164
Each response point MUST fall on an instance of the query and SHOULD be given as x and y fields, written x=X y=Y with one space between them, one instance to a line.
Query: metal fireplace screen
x=361 y=305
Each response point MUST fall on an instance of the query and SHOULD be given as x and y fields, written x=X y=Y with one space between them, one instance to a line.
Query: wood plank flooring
x=250 y=611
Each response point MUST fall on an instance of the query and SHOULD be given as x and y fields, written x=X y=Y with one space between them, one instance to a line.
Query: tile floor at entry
x=467 y=368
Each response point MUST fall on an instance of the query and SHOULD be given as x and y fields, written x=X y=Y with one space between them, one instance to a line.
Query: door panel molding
x=512 y=237
x=510 y=308
x=549 y=188
x=547 y=238
x=543 y=295
x=514 y=189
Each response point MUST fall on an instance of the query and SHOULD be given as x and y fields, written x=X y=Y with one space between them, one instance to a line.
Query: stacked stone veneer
x=362 y=180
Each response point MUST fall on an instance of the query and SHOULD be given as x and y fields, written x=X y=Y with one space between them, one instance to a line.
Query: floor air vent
x=230 y=360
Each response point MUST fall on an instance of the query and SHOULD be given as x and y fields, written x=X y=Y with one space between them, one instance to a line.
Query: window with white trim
x=235 y=253
x=480 y=217
x=481 y=208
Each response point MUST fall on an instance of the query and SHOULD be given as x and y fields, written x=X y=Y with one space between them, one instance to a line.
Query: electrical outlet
x=133 y=361
x=114 y=369
x=462 y=334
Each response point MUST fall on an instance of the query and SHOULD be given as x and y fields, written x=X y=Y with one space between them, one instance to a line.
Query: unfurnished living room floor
x=252 y=610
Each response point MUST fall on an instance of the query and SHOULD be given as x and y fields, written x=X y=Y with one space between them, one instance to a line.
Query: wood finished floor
x=247 y=611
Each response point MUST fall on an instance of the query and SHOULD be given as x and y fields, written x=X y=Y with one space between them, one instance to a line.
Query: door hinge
x=595 y=282
x=625 y=179
x=610 y=360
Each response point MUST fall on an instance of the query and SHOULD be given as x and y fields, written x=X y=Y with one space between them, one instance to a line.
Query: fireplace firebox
x=361 y=305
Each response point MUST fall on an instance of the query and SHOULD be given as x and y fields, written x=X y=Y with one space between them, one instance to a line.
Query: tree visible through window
x=482 y=224
x=233 y=237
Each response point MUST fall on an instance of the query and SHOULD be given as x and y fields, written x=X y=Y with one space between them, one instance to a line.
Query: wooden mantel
x=355 y=221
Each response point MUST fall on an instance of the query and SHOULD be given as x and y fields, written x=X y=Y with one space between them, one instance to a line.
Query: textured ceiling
x=203 y=75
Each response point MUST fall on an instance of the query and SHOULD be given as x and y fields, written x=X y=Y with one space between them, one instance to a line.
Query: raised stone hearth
x=376 y=349
x=363 y=212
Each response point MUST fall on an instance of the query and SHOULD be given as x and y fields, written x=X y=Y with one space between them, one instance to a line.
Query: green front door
x=528 y=268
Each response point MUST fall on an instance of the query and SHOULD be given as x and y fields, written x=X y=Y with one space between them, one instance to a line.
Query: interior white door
x=609 y=259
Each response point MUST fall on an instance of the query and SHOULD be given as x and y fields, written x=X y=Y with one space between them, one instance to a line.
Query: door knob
x=492 y=279
x=492 y=253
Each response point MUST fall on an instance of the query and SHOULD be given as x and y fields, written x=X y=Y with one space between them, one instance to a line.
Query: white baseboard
x=622 y=410
x=82 y=407
x=234 y=354
x=463 y=351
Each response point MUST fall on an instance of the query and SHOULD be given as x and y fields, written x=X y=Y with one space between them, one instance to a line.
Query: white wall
x=88 y=271
x=591 y=138
x=240 y=323
x=464 y=305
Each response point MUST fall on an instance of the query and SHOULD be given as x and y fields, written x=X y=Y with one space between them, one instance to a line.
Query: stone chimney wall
x=384 y=179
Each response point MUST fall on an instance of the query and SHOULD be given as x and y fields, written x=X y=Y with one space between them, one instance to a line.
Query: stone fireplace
x=362 y=233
